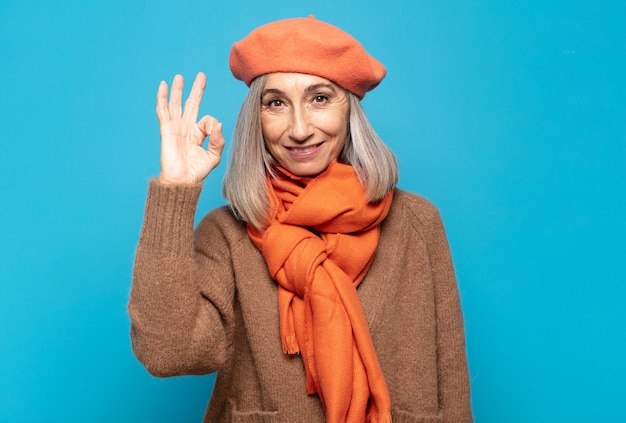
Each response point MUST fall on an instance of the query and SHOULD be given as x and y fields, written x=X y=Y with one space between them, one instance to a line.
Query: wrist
x=168 y=180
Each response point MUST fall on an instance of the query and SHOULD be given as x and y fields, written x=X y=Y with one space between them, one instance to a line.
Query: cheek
x=338 y=125
x=270 y=131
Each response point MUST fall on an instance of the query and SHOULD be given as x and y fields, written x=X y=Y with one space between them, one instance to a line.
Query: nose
x=300 y=127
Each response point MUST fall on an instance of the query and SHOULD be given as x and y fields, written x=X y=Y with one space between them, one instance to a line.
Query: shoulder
x=412 y=218
x=224 y=218
x=220 y=226
x=414 y=209
x=412 y=213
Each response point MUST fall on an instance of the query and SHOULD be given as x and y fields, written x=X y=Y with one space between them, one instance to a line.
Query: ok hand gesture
x=183 y=160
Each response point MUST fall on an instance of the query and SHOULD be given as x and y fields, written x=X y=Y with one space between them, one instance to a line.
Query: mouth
x=303 y=151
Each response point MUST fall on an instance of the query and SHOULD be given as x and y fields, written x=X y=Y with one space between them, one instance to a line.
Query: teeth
x=305 y=149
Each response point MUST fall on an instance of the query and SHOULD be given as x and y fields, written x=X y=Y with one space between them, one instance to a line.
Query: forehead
x=296 y=82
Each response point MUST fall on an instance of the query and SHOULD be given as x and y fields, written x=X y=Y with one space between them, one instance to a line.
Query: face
x=304 y=119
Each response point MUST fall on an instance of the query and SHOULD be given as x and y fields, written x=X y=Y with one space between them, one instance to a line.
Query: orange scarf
x=318 y=247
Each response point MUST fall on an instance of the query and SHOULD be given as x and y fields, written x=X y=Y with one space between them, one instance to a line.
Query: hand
x=183 y=160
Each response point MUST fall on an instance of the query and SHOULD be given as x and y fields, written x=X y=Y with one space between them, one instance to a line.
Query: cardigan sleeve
x=454 y=387
x=181 y=301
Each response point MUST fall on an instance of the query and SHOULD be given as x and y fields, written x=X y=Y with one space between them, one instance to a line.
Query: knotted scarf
x=318 y=247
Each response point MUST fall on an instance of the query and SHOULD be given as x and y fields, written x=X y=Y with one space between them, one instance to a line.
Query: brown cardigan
x=204 y=302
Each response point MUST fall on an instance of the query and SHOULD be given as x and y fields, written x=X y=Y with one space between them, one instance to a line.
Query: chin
x=308 y=171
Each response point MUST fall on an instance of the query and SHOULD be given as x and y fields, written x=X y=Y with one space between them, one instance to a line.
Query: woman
x=322 y=292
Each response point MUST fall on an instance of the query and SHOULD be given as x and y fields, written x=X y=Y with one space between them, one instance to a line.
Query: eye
x=275 y=103
x=320 y=98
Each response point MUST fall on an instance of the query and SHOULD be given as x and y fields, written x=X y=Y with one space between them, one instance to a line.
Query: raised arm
x=179 y=322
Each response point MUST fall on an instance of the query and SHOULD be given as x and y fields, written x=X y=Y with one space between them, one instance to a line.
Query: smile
x=300 y=151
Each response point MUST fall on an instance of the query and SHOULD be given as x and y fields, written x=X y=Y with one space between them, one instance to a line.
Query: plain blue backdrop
x=509 y=116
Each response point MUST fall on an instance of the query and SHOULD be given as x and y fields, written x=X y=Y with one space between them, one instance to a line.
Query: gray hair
x=249 y=164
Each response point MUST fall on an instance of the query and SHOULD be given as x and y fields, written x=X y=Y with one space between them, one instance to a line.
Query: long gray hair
x=250 y=162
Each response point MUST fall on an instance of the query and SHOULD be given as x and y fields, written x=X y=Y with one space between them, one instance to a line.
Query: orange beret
x=306 y=45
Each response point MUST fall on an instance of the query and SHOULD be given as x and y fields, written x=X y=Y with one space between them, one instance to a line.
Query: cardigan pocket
x=401 y=416
x=251 y=416
x=254 y=416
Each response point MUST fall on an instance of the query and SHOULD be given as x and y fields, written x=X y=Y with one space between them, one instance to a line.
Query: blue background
x=509 y=116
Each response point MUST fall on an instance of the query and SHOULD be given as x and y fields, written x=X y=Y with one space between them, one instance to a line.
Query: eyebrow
x=309 y=89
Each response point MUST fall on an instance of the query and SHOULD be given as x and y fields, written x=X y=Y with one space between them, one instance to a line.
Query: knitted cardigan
x=203 y=301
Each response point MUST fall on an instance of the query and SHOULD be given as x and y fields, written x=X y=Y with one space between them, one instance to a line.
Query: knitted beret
x=306 y=45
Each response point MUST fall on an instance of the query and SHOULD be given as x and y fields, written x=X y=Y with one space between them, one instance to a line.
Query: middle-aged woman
x=322 y=293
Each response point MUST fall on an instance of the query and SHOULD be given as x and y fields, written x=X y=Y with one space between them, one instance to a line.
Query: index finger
x=192 y=105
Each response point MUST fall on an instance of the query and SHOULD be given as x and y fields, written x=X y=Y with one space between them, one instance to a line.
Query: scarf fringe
x=290 y=345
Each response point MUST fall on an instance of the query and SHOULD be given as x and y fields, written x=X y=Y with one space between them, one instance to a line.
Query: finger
x=207 y=126
x=216 y=142
x=161 y=103
x=192 y=105
x=176 y=96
